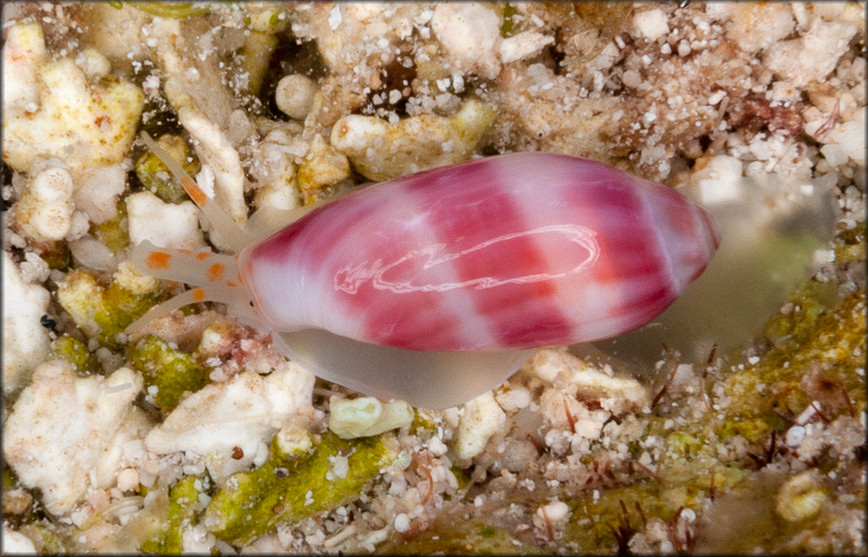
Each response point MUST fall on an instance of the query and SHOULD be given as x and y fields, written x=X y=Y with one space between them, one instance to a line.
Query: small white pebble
x=807 y=413
x=716 y=97
x=402 y=522
x=294 y=95
x=437 y=447
x=834 y=154
x=651 y=24
x=795 y=436
x=335 y=18
x=128 y=479
x=552 y=516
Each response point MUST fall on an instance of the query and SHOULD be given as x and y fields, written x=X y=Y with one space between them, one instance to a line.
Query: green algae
x=765 y=395
x=113 y=233
x=75 y=352
x=183 y=511
x=174 y=10
x=103 y=312
x=476 y=537
x=171 y=371
x=295 y=483
x=815 y=352
x=155 y=176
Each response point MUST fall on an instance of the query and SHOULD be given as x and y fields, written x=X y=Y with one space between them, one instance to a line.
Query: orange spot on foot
x=203 y=255
x=197 y=195
x=198 y=294
x=158 y=260
x=232 y=283
x=215 y=272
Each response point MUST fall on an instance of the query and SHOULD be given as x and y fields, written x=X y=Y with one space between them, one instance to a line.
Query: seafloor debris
x=197 y=435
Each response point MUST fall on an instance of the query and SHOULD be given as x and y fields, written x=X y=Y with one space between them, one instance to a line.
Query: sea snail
x=447 y=276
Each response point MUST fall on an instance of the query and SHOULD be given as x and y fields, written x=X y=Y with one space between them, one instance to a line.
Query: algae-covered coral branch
x=171 y=371
x=716 y=452
x=184 y=502
x=785 y=381
x=154 y=174
x=295 y=483
x=104 y=312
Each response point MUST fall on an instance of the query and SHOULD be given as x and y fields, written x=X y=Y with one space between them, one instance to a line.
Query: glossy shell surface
x=507 y=252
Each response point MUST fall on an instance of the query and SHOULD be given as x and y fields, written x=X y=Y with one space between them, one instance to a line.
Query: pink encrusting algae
x=507 y=252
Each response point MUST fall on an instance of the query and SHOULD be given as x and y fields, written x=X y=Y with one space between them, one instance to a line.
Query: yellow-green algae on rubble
x=816 y=350
x=184 y=503
x=75 y=352
x=171 y=371
x=295 y=482
x=692 y=470
x=155 y=175
x=768 y=393
x=103 y=312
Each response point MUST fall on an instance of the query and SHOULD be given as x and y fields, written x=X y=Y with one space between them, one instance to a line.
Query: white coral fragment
x=25 y=340
x=165 y=225
x=62 y=435
x=523 y=45
x=651 y=24
x=584 y=381
x=470 y=35
x=757 y=26
x=813 y=56
x=23 y=52
x=850 y=136
x=322 y=165
x=215 y=150
x=381 y=150
x=230 y=424
x=16 y=543
x=718 y=178
x=367 y=416
x=274 y=169
x=98 y=190
x=343 y=31
x=84 y=125
x=44 y=212
x=482 y=418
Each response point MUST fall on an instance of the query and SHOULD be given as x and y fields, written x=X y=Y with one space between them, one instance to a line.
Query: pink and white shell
x=507 y=252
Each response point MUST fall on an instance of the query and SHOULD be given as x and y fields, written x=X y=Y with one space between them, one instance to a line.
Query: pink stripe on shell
x=473 y=211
